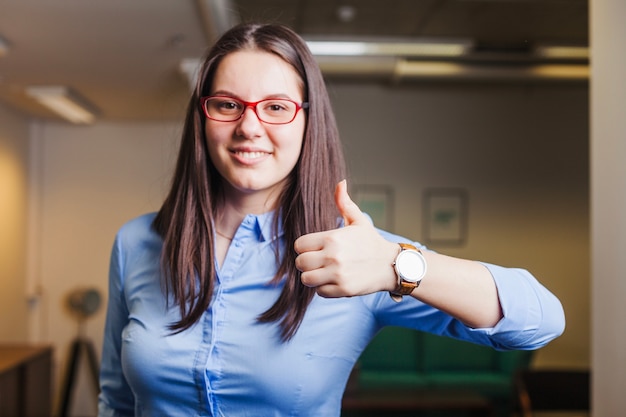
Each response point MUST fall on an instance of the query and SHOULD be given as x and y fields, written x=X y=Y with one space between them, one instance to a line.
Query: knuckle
x=304 y=277
x=307 y=279
x=298 y=263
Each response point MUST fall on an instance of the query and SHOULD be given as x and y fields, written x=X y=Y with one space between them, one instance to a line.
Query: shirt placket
x=214 y=366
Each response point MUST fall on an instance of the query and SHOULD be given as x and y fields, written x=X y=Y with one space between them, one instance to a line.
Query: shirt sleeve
x=532 y=315
x=116 y=398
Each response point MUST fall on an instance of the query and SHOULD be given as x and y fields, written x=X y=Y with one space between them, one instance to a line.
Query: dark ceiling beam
x=216 y=17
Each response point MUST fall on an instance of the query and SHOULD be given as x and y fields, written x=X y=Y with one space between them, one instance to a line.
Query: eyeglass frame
x=253 y=105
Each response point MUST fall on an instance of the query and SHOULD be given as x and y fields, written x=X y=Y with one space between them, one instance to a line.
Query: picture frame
x=445 y=216
x=376 y=201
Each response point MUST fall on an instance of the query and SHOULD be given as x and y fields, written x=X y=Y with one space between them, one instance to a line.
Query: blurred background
x=487 y=97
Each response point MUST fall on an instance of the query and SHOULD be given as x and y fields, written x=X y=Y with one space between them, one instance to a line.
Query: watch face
x=411 y=265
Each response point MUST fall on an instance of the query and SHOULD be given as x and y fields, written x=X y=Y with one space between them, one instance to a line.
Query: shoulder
x=139 y=224
x=136 y=241
x=138 y=232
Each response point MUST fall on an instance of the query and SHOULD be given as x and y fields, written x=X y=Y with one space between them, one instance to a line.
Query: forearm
x=462 y=288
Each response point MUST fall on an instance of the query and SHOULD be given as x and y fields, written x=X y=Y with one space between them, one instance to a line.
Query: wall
x=608 y=202
x=520 y=151
x=92 y=180
x=13 y=225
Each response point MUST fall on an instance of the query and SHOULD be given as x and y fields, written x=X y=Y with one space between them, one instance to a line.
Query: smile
x=250 y=155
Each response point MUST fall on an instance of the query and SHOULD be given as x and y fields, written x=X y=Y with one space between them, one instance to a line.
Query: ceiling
x=124 y=56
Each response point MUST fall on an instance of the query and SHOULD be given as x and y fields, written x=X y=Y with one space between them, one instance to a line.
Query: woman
x=252 y=291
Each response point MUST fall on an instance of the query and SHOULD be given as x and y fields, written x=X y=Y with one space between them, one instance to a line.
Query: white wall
x=13 y=224
x=521 y=152
x=608 y=170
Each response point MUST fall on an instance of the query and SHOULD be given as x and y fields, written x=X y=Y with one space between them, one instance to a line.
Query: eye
x=225 y=105
x=277 y=106
x=228 y=105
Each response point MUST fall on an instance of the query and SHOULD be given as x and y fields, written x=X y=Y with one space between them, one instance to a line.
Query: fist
x=349 y=261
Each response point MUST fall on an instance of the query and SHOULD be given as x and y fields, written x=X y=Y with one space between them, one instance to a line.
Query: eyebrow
x=233 y=95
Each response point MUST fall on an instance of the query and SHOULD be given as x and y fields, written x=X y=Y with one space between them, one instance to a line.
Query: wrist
x=391 y=279
x=410 y=268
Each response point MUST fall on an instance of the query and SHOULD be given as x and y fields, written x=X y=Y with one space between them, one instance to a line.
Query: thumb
x=347 y=208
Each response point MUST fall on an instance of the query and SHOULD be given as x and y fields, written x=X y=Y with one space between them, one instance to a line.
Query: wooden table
x=25 y=381
x=416 y=400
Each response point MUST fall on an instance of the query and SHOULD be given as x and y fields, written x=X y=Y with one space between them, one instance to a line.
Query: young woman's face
x=254 y=157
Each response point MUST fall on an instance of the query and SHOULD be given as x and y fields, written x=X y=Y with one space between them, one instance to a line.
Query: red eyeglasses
x=275 y=111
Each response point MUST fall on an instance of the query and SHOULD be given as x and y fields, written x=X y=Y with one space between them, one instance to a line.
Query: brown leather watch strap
x=404 y=287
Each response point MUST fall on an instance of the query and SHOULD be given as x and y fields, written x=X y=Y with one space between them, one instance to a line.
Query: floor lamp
x=83 y=303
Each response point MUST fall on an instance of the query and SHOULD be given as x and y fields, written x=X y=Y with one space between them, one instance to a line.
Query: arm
x=357 y=260
x=116 y=398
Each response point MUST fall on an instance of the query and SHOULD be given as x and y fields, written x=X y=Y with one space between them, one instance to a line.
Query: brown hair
x=185 y=221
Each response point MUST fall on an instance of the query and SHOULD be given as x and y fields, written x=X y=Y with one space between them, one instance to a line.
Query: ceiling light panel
x=406 y=49
x=64 y=102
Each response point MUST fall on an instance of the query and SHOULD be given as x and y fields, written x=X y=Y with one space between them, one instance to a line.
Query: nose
x=249 y=124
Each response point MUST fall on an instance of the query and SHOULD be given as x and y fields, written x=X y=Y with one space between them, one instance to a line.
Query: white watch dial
x=411 y=265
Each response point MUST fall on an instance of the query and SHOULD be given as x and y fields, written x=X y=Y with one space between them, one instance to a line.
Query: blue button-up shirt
x=229 y=364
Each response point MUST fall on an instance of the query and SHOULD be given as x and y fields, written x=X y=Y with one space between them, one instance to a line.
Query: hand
x=353 y=260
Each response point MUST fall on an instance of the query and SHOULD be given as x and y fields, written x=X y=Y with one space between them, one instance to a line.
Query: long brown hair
x=185 y=221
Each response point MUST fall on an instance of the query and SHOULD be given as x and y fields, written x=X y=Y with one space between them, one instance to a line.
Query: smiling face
x=255 y=158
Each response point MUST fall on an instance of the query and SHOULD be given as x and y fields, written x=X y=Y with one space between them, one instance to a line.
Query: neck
x=225 y=236
x=231 y=212
x=237 y=204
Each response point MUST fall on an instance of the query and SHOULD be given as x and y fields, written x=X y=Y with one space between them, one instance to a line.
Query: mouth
x=250 y=154
x=249 y=157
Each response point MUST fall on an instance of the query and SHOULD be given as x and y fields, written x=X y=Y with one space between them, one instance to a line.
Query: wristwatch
x=410 y=267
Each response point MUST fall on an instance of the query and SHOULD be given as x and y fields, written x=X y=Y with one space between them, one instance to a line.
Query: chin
x=256 y=187
x=249 y=187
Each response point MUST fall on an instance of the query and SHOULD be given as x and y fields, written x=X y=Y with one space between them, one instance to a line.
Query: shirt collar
x=263 y=225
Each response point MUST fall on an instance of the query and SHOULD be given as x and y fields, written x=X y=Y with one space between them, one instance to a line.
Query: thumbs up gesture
x=349 y=261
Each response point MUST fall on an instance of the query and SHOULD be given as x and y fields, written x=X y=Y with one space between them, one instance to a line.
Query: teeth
x=250 y=155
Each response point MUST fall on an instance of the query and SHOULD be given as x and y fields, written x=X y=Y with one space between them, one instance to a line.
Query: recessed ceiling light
x=346 y=13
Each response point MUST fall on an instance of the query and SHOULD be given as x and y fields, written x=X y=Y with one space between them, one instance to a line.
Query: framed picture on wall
x=377 y=202
x=445 y=216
